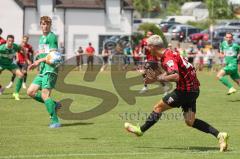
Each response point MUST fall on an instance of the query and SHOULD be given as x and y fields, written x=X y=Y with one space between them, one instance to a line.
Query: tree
x=219 y=9
x=145 y=7
x=145 y=27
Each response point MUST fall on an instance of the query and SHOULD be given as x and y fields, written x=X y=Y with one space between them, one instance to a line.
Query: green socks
x=225 y=81
x=18 y=85
x=38 y=97
x=50 y=105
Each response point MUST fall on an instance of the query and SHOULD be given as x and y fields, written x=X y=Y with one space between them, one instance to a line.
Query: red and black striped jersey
x=173 y=62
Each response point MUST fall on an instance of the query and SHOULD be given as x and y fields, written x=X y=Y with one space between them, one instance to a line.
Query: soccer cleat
x=133 y=129
x=223 y=139
x=143 y=90
x=24 y=86
x=231 y=91
x=9 y=85
x=16 y=96
x=55 y=125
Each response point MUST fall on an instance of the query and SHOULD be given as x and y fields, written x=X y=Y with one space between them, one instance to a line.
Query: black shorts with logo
x=185 y=100
x=22 y=66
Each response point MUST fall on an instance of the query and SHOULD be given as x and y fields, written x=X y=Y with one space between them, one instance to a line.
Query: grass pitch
x=24 y=131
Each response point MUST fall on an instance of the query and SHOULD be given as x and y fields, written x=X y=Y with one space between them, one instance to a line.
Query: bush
x=145 y=27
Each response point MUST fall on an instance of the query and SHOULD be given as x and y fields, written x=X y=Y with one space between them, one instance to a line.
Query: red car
x=204 y=35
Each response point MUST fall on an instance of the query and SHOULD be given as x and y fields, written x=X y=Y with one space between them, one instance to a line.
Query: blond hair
x=46 y=19
x=155 y=40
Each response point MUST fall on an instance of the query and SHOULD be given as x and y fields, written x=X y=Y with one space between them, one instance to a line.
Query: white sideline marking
x=102 y=154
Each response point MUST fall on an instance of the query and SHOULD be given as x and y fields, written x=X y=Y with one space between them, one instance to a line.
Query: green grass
x=24 y=131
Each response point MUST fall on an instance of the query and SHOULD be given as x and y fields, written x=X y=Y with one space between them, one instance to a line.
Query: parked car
x=176 y=30
x=166 y=25
x=236 y=37
x=203 y=35
x=230 y=23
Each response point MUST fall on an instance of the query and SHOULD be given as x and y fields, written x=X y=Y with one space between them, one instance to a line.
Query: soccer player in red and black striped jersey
x=2 y=41
x=185 y=95
x=151 y=62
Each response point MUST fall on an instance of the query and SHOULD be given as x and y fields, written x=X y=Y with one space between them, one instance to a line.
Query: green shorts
x=46 y=81
x=9 y=67
x=232 y=70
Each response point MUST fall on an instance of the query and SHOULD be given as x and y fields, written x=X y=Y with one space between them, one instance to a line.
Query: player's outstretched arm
x=36 y=63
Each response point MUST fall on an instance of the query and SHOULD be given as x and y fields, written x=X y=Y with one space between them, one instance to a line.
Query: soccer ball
x=54 y=57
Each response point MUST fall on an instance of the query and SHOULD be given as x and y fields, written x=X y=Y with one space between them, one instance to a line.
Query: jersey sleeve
x=2 y=48
x=17 y=47
x=53 y=43
x=171 y=66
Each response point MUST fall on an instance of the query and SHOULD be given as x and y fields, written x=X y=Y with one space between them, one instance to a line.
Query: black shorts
x=185 y=100
x=238 y=60
x=22 y=66
x=105 y=59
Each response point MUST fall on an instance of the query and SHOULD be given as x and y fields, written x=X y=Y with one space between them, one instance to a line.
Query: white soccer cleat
x=143 y=90
x=223 y=141
x=231 y=91
x=9 y=85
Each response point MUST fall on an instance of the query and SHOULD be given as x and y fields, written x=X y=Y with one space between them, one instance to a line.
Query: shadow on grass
x=236 y=100
x=88 y=138
x=191 y=148
x=21 y=98
x=76 y=124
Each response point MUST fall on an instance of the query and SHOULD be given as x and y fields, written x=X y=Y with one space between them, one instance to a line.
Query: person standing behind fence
x=90 y=51
x=210 y=56
x=79 y=58
x=127 y=56
x=105 y=55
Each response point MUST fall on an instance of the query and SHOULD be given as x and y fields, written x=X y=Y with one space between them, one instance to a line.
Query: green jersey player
x=46 y=79
x=230 y=50
x=7 y=54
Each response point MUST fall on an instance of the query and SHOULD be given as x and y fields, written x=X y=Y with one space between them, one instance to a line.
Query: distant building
x=76 y=22
x=196 y=9
x=234 y=2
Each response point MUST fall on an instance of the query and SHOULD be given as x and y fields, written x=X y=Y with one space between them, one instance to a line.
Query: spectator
x=105 y=54
x=79 y=58
x=90 y=51
x=199 y=60
x=126 y=57
x=210 y=56
x=2 y=41
x=200 y=44
x=181 y=51
x=191 y=54
x=136 y=57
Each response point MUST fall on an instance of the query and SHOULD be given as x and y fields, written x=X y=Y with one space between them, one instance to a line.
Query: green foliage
x=219 y=9
x=145 y=27
x=136 y=38
x=204 y=24
x=146 y=6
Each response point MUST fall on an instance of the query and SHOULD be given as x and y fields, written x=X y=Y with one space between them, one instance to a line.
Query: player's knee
x=189 y=122
x=31 y=93
x=20 y=75
x=158 y=108
x=219 y=76
x=44 y=96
